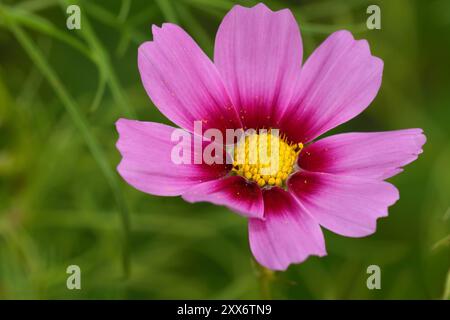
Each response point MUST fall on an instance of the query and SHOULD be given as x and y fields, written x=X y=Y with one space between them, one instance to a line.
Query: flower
x=257 y=81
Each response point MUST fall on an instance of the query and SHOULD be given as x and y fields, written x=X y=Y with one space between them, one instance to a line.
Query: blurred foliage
x=62 y=202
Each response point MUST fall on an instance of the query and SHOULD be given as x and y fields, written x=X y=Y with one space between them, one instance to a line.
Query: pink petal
x=182 y=82
x=146 y=164
x=287 y=235
x=234 y=192
x=345 y=205
x=259 y=54
x=377 y=155
x=338 y=81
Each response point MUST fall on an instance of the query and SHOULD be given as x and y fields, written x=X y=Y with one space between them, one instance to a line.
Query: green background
x=62 y=202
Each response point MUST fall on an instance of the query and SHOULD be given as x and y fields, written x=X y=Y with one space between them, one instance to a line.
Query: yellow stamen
x=265 y=158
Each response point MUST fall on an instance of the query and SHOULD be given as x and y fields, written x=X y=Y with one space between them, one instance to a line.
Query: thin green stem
x=103 y=61
x=168 y=10
x=42 y=25
x=444 y=242
x=98 y=94
x=265 y=277
x=124 y=10
x=107 y=18
x=73 y=110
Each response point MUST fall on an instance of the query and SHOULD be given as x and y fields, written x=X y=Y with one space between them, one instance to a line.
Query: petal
x=147 y=165
x=338 y=81
x=376 y=155
x=182 y=82
x=345 y=205
x=258 y=53
x=234 y=192
x=288 y=234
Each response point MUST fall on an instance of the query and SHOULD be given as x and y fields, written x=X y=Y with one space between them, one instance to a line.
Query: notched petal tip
x=343 y=35
x=361 y=44
x=420 y=140
x=394 y=195
x=120 y=169
x=261 y=8
x=417 y=140
x=378 y=64
x=261 y=5
x=166 y=27
x=121 y=125
x=155 y=29
x=121 y=122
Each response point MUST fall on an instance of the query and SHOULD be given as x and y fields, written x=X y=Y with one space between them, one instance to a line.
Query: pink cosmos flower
x=258 y=81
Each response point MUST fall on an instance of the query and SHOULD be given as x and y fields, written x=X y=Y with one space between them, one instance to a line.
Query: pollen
x=266 y=158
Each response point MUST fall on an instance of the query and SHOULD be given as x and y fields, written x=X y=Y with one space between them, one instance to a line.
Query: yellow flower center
x=265 y=158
